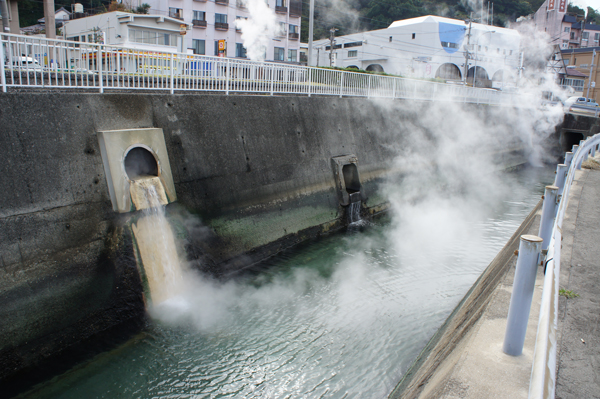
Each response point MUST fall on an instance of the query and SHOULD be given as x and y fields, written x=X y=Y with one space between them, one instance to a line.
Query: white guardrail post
x=3 y=77
x=309 y=81
x=548 y=215
x=99 y=66
x=227 y=75
x=561 y=176
x=172 y=74
x=272 y=77
x=522 y=294
x=542 y=384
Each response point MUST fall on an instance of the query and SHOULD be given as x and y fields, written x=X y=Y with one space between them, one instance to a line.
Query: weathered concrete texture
x=468 y=362
x=578 y=374
x=255 y=170
x=449 y=366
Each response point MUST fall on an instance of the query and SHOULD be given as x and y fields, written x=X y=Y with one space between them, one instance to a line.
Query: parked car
x=590 y=102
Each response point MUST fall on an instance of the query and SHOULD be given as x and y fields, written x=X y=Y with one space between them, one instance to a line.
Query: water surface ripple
x=343 y=317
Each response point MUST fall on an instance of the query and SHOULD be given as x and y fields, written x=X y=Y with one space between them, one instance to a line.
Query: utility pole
x=311 y=24
x=49 y=19
x=4 y=11
x=590 y=79
x=466 y=68
x=331 y=44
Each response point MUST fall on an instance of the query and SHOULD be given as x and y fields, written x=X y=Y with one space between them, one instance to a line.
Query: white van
x=26 y=64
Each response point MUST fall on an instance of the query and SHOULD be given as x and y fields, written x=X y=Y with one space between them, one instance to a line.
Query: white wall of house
x=418 y=47
x=143 y=32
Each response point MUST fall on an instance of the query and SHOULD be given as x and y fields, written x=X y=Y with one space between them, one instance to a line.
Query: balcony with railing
x=198 y=23
x=222 y=2
x=221 y=26
x=178 y=14
x=295 y=8
x=241 y=4
x=281 y=9
x=294 y=36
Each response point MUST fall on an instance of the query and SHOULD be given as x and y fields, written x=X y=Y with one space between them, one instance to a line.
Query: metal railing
x=44 y=63
x=543 y=373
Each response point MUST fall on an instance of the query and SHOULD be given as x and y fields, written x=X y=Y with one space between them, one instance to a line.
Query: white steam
x=258 y=29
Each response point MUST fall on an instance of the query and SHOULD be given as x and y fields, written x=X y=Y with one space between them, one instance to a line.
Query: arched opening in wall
x=139 y=163
x=569 y=139
x=448 y=71
x=352 y=67
x=375 y=68
x=478 y=77
x=351 y=179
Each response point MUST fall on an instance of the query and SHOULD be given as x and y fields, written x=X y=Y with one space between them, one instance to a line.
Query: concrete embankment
x=255 y=172
x=465 y=358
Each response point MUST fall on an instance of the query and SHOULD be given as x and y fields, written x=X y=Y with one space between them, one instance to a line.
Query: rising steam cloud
x=258 y=29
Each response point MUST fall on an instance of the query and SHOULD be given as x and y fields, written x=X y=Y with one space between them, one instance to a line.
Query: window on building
x=292 y=55
x=596 y=36
x=152 y=37
x=352 y=53
x=240 y=50
x=198 y=46
x=279 y=54
x=280 y=3
x=567 y=29
x=293 y=28
x=572 y=35
x=199 y=16
x=585 y=35
x=566 y=62
x=510 y=52
x=390 y=39
x=451 y=45
x=220 y=18
x=282 y=29
x=414 y=35
x=176 y=13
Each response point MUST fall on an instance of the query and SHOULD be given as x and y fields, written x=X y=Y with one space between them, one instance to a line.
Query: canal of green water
x=341 y=317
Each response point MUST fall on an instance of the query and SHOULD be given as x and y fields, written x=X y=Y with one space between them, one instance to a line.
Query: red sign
x=562 y=5
x=550 y=5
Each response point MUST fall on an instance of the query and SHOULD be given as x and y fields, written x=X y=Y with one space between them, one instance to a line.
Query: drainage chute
x=134 y=158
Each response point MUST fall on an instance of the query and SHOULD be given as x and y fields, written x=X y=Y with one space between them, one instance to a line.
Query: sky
x=586 y=3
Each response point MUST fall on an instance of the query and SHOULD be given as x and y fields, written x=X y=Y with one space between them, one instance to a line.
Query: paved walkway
x=477 y=367
x=578 y=373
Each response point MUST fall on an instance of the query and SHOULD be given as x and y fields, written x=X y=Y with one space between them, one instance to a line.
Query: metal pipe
x=568 y=158
x=548 y=215
x=522 y=294
x=561 y=175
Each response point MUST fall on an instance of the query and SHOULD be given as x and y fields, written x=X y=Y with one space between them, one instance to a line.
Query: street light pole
x=466 y=68
x=311 y=23
x=331 y=44
x=587 y=95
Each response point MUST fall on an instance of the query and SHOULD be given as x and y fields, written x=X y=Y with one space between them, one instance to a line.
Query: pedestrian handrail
x=29 y=61
x=543 y=374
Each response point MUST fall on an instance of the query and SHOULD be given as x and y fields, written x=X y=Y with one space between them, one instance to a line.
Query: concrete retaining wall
x=254 y=172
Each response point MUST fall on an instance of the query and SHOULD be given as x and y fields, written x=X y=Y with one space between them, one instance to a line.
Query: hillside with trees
x=361 y=15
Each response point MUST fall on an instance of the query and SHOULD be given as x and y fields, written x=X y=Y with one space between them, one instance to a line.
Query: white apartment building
x=214 y=20
x=144 y=32
x=430 y=47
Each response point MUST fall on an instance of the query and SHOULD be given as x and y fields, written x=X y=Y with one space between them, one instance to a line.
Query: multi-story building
x=430 y=47
x=566 y=30
x=581 y=65
x=214 y=21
